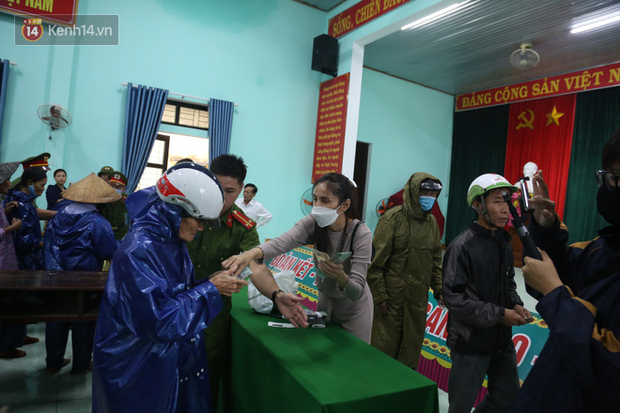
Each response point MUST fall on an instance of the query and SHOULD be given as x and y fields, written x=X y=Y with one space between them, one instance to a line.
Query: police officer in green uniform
x=105 y=173
x=38 y=161
x=116 y=212
x=237 y=233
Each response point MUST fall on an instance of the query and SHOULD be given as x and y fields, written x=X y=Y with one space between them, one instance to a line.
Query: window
x=168 y=149
x=190 y=115
x=157 y=162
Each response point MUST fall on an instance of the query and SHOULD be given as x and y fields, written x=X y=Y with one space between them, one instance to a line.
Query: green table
x=316 y=370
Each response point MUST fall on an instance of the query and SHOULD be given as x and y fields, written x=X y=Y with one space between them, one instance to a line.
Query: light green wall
x=410 y=129
x=256 y=53
x=409 y=126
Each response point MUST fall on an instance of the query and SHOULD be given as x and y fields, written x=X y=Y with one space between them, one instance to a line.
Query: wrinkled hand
x=226 y=283
x=237 y=263
x=541 y=275
x=512 y=318
x=334 y=271
x=9 y=207
x=544 y=208
x=290 y=307
x=523 y=312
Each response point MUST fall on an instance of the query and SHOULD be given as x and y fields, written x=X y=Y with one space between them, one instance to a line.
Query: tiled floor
x=26 y=387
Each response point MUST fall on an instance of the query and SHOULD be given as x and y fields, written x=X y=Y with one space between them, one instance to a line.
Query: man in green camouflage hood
x=407 y=263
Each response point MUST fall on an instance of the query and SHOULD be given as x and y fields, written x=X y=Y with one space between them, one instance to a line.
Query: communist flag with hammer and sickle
x=541 y=131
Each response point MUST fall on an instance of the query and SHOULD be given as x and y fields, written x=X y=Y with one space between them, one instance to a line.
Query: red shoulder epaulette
x=248 y=223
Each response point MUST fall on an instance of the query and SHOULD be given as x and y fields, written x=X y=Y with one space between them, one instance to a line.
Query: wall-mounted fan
x=55 y=116
x=525 y=57
x=382 y=206
x=306 y=201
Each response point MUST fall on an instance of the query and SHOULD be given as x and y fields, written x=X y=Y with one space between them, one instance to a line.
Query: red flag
x=541 y=131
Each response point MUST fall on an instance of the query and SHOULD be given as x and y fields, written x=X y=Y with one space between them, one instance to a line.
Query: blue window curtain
x=4 y=76
x=220 y=126
x=145 y=106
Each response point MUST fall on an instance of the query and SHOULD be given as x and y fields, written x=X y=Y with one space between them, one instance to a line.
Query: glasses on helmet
x=609 y=179
x=430 y=185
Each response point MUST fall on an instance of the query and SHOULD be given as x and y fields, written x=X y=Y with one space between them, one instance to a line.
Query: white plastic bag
x=260 y=303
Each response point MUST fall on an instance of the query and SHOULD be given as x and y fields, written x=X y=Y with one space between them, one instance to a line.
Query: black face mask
x=608 y=205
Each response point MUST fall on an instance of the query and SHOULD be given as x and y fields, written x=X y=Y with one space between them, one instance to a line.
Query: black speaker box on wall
x=325 y=55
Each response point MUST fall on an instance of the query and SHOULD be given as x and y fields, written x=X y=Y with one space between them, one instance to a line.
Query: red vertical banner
x=61 y=12
x=330 y=126
x=541 y=131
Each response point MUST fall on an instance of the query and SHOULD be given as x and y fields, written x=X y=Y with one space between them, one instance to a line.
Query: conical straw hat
x=91 y=190
x=7 y=170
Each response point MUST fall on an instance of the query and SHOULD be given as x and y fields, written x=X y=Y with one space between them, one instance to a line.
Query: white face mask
x=324 y=216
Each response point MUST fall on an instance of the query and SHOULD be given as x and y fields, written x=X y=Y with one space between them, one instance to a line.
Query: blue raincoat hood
x=78 y=242
x=146 y=210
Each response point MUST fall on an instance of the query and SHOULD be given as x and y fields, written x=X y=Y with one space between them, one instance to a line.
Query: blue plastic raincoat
x=28 y=238
x=149 y=354
x=78 y=241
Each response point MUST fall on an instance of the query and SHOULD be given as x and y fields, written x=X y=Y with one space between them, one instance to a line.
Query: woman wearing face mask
x=331 y=227
x=579 y=292
x=54 y=192
x=28 y=240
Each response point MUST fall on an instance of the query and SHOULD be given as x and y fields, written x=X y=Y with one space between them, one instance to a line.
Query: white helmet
x=483 y=184
x=194 y=188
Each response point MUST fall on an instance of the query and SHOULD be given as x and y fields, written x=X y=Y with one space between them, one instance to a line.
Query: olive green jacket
x=212 y=246
x=407 y=262
x=207 y=251
x=116 y=214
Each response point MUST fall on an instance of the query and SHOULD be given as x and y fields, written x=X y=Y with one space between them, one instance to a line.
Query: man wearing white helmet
x=480 y=293
x=149 y=353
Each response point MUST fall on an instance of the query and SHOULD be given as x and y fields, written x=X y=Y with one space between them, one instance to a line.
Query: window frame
x=189 y=105
x=164 y=166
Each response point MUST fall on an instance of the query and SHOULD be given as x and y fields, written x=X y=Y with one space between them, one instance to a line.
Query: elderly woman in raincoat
x=78 y=238
x=406 y=264
x=149 y=354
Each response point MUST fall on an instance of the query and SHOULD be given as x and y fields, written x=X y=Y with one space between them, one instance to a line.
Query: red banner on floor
x=541 y=131
x=435 y=361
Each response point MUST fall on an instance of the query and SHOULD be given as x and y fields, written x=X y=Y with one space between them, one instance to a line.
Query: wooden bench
x=35 y=296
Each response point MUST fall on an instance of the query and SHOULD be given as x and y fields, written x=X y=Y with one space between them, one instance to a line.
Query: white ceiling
x=470 y=49
x=325 y=5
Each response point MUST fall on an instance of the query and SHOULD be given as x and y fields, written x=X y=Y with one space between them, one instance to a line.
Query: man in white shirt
x=251 y=207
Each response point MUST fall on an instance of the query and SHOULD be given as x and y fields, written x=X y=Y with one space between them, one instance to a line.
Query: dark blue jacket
x=578 y=369
x=28 y=238
x=149 y=354
x=79 y=242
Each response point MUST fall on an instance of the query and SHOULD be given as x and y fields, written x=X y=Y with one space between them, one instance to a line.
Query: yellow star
x=553 y=117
